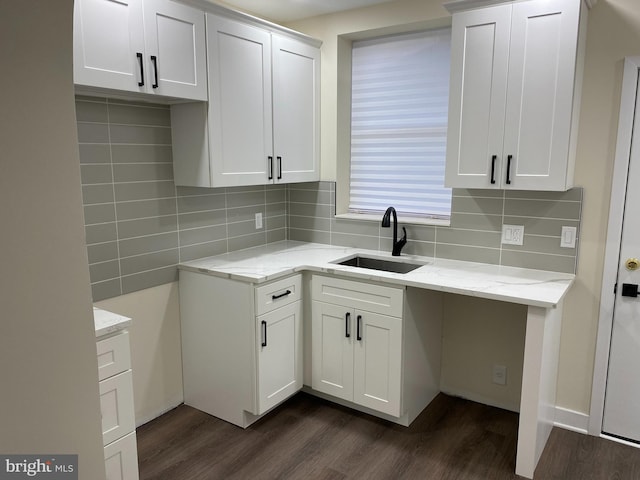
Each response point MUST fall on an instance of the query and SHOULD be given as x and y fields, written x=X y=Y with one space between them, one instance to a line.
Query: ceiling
x=290 y=10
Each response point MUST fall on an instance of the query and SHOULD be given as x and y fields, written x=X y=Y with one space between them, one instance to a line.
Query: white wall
x=156 y=354
x=49 y=372
x=613 y=33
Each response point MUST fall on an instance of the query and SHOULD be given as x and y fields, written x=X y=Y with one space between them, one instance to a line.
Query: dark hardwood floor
x=309 y=438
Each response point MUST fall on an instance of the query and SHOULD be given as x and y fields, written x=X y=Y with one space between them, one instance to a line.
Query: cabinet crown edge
x=456 y=6
x=224 y=11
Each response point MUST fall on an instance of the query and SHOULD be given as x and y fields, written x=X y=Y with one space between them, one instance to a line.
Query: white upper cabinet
x=240 y=103
x=151 y=46
x=515 y=92
x=262 y=122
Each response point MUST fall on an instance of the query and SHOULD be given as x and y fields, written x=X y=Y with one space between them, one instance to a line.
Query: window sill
x=368 y=217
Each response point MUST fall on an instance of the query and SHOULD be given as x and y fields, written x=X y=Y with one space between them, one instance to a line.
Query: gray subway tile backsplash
x=139 y=225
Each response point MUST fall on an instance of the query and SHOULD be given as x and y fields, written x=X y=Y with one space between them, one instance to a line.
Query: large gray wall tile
x=148 y=244
x=104 y=270
x=467 y=253
x=140 y=135
x=202 y=219
x=94 y=153
x=93 y=133
x=101 y=213
x=191 y=252
x=141 y=154
x=97 y=194
x=147 y=226
x=92 y=112
x=202 y=235
x=144 y=190
x=539 y=261
x=145 y=208
x=106 y=289
x=96 y=173
x=153 y=278
x=102 y=252
x=148 y=261
x=138 y=115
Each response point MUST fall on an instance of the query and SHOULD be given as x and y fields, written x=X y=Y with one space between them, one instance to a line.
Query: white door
x=332 y=349
x=175 y=50
x=377 y=362
x=240 y=121
x=478 y=86
x=279 y=335
x=108 y=44
x=542 y=69
x=296 y=110
x=622 y=399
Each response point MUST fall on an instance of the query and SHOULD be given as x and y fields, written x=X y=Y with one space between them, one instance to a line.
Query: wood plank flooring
x=309 y=438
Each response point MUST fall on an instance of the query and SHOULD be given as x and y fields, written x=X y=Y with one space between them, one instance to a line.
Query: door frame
x=626 y=117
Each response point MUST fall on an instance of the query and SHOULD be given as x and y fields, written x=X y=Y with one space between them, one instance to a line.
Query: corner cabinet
x=516 y=73
x=241 y=344
x=142 y=46
x=262 y=122
x=375 y=346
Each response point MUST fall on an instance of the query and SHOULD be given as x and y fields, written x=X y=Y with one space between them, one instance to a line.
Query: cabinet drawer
x=277 y=294
x=116 y=406
x=365 y=296
x=114 y=355
x=121 y=458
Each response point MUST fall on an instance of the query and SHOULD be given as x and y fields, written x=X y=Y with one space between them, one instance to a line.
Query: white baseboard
x=571 y=420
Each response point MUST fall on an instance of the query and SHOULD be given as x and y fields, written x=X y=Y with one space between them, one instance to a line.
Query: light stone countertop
x=508 y=284
x=108 y=322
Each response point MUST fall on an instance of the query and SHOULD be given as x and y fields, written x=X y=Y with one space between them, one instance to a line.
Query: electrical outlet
x=258 y=220
x=512 y=234
x=499 y=375
x=568 y=238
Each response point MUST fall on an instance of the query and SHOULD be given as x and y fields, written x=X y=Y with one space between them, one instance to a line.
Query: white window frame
x=343 y=143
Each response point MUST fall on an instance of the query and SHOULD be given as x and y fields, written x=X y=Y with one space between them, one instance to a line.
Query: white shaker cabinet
x=375 y=346
x=261 y=124
x=151 y=46
x=116 y=406
x=516 y=72
x=241 y=345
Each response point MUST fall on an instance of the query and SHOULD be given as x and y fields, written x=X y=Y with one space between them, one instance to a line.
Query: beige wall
x=613 y=33
x=156 y=356
x=49 y=372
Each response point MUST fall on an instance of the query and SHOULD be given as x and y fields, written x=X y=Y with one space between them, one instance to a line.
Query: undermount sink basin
x=379 y=264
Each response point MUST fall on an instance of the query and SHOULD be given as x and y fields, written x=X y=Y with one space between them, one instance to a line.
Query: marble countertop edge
x=273 y=261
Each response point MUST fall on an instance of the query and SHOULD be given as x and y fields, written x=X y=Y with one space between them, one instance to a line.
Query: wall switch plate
x=568 y=238
x=499 y=375
x=258 y=220
x=512 y=234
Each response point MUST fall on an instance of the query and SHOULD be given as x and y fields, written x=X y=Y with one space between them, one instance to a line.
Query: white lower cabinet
x=116 y=406
x=241 y=345
x=375 y=346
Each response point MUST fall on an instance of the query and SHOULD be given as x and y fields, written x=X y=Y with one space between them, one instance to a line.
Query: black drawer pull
x=141 y=61
x=154 y=60
x=347 y=325
x=509 y=157
x=263 y=324
x=270 y=159
x=275 y=297
x=279 y=167
x=493 y=169
x=358 y=332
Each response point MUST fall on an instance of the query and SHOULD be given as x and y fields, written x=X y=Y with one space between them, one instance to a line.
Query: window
x=399 y=106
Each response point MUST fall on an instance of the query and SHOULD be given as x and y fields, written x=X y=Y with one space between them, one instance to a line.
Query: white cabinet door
x=121 y=458
x=150 y=46
x=513 y=105
x=296 y=110
x=108 y=44
x=279 y=366
x=378 y=362
x=540 y=94
x=116 y=406
x=175 y=49
x=332 y=349
x=239 y=103
x=479 y=64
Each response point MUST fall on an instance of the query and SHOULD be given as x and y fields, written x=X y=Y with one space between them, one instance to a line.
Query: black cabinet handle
x=347 y=325
x=279 y=167
x=275 y=297
x=509 y=157
x=493 y=169
x=270 y=158
x=358 y=332
x=263 y=325
x=140 y=62
x=154 y=60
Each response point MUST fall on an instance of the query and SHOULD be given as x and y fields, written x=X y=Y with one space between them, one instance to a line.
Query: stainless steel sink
x=379 y=264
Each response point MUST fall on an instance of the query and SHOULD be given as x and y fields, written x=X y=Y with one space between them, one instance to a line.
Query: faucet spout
x=386 y=223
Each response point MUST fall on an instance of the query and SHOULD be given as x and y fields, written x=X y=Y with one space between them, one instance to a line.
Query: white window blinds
x=399 y=103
